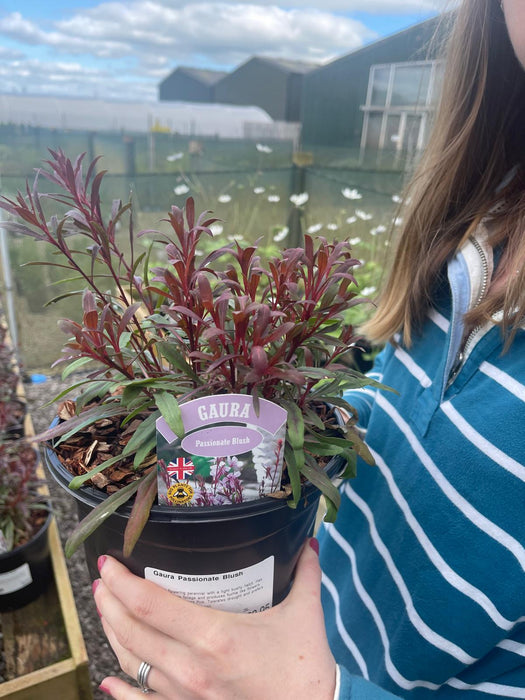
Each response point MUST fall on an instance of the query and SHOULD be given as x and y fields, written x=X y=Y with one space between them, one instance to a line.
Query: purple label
x=230 y=452
x=226 y=408
x=226 y=440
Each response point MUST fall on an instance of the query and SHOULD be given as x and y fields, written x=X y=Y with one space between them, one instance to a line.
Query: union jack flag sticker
x=180 y=467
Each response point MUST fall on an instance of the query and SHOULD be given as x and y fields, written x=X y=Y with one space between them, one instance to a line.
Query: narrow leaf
x=170 y=409
x=142 y=434
x=138 y=518
x=293 y=469
x=97 y=516
x=77 y=482
x=319 y=478
x=295 y=424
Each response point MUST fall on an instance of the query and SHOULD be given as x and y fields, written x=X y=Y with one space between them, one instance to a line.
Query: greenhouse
x=186 y=118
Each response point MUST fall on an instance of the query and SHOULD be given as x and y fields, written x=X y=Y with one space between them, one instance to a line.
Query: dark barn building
x=273 y=84
x=378 y=97
x=186 y=84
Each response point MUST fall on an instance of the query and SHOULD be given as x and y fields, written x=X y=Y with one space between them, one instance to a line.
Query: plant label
x=247 y=590
x=230 y=452
x=15 y=580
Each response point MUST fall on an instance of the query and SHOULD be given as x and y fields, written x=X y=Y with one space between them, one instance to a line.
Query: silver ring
x=142 y=677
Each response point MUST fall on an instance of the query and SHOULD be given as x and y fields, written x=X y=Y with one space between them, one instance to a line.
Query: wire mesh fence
x=255 y=189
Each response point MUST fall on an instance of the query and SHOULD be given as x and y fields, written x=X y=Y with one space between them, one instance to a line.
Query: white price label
x=14 y=580
x=246 y=590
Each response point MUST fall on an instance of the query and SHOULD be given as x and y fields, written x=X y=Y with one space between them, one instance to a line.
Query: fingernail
x=100 y=561
x=95 y=585
x=314 y=544
x=104 y=689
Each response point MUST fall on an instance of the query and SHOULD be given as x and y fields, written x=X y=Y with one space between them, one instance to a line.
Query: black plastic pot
x=26 y=571
x=195 y=544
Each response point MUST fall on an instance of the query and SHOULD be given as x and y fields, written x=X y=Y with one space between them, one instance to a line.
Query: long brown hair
x=478 y=137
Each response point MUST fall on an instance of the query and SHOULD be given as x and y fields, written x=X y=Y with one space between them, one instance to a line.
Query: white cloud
x=127 y=48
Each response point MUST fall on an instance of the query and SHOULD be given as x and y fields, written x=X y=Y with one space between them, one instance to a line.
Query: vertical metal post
x=8 y=286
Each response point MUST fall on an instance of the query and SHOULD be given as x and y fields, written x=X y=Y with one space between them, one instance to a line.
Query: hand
x=197 y=653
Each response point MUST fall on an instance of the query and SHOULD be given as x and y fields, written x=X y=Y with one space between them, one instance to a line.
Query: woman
x=423 y=580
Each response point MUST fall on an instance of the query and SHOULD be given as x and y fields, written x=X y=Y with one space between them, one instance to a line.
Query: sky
x=123 y=50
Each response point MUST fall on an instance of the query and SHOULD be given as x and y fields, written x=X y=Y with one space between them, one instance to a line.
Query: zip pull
x=456 y=367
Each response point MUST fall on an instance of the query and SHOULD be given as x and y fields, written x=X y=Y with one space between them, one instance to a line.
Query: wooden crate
x=43 y=646
x=44 y=650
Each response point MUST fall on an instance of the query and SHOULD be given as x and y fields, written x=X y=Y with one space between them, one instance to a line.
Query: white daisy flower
x=363 y=215
x=181 y=189
x=351 y=220
x=332 y=227
x=281 y=235
x=274 y=198
x=396 y=198
x=398 y=221
x=350 y=193
x=355 y=241
x=224 y=198
x=262 y=148
x=299 y=199
x=314 y=228
x=377 y=229
x=259 y=190
x=367 y=291
x=216 y=229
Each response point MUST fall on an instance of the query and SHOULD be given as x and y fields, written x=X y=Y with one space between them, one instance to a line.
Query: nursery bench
x=44 y=651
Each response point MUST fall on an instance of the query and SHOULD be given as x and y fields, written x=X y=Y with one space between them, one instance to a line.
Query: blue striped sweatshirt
x=424 y=569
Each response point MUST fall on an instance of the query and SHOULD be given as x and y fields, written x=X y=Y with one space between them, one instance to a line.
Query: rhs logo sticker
x=229 y=453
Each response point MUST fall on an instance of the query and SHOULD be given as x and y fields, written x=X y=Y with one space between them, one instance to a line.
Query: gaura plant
x=199 y=324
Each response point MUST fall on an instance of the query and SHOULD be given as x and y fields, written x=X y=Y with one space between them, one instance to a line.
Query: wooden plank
x=44 y=649
x=34 y=636
x=56 y=682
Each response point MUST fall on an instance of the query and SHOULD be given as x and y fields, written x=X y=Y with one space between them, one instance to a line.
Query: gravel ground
x=102 y=661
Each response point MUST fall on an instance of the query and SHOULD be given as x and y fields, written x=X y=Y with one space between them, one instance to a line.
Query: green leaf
x=319 y=478
x=350 y=470
x=97 y=390
x=295 y=424
x=140 y=408
x=138 y=518
x=97 y=516
x=170 y=409
x=294 y=462
x=176 y=359
x=142 y=434
x=70 y=427
x=77 y=482
x=322 y=450
x=331 y=511
x=360 y=446
x=130 y=393
x=73 y=366
x=144 y=450
x=332 y=440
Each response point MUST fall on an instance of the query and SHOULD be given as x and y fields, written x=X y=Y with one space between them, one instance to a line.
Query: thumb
x=307 y=581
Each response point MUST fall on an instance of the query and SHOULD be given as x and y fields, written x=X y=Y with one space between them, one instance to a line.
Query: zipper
x=462 y=353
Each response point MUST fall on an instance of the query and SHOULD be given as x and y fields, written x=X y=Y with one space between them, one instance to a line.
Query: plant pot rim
x=93 y=496
x=21 y=549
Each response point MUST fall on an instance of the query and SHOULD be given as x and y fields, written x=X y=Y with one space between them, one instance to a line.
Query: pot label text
x=246 y=590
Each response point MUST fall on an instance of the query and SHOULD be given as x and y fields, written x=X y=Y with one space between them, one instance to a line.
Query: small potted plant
x=25 y=564
x=200 y=441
